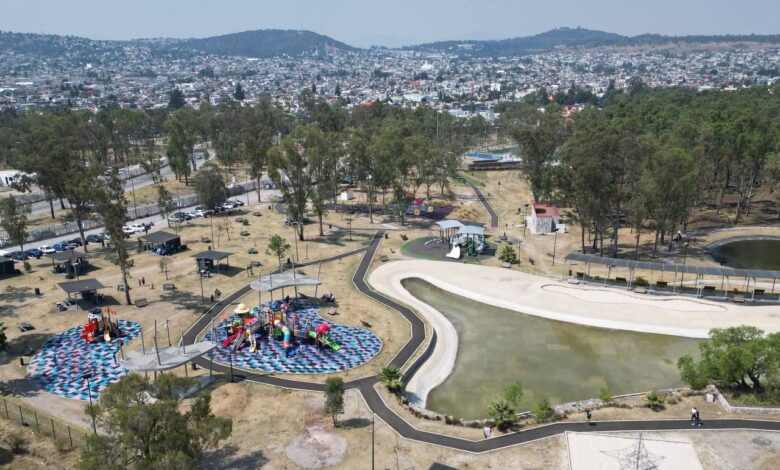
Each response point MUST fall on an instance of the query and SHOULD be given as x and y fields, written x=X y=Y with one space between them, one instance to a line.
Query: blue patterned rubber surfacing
x=64 y=358
x=358 y=346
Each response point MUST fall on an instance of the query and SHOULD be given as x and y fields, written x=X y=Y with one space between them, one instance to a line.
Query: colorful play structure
x=66 y=359
x=461 y=238
x=100 y=326
x=275 y=321
x=285 y=336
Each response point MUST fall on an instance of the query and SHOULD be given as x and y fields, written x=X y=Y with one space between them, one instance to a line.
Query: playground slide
x=285 y=331
x=329 y=341
x=455 y=253
x=232 y=337
x=106 y=335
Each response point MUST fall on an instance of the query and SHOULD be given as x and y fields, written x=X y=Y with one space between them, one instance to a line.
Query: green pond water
x=745 y=254
x=561 y=361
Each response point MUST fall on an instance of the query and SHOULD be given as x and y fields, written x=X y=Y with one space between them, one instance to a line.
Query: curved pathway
x=401 y=426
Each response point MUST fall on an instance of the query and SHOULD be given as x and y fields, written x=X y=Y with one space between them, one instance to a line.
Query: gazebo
x=210 y=258
x=86 y=288
x=69 y=262
x=161 y=239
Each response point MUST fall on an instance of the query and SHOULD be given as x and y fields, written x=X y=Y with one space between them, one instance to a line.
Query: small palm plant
x=391 y=377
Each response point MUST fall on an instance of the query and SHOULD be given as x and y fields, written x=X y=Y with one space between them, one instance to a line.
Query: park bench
x=404 y=237
x=205 y=239
x=365 y=323
x=572 y=280
x=739 y=298
x=121 y=287
x=640 y=290
x=25 y=326
x=506 y=265
x=139 y=303
x=255 y=264
x=384 y=258
x=169 y=286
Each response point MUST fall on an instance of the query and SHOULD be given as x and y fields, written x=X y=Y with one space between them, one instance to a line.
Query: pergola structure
x=699 y=272
x=86 y=288
x=287 y=279
x=71 y=262
x=161 y=238
x=208 y=259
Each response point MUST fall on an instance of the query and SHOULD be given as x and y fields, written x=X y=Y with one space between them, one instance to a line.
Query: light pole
x=202 y=298
x=555 y=244
x=132 y=186
x=373 y=416
x=86 y=377
x=685 y=256
x=525 y=220
x=349 y=221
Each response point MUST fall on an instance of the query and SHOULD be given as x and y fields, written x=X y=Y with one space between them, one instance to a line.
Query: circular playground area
x=65 y=358
x=346 y=347
x=433 y=248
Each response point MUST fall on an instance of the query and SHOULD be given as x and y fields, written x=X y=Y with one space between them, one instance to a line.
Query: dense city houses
x=134 y=75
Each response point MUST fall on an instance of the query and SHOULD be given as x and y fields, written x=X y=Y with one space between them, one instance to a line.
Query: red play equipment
x=100 y=326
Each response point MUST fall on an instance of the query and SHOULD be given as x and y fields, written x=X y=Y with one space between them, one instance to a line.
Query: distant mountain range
x=576 y=37
x=275 y=43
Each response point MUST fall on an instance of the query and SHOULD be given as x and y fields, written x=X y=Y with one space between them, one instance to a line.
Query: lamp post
x=86 y=377
x=525 y=220
x=555 y=244
x=202 y=297
x=685 y=255
x=132 y=186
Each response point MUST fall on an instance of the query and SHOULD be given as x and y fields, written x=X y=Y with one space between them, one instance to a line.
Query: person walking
x=588 y=416
x=143 y=281
x=694 y=416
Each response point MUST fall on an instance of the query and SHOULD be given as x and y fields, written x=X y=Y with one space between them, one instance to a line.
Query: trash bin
x=37 y=291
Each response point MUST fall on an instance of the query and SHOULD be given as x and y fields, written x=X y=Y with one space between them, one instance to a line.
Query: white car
x=46 y=249
x=138 y=227
x=128 y=230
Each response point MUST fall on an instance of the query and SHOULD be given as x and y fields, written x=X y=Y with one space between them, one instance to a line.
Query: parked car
x=128 y=230
x=19 y=256
x=140 y=227
x=235 y=202
x=34 y=253
x=5 y=254
x=77 y=241
x=46 y=249
x=94 y=238
x=176 y=218
x=192 y=215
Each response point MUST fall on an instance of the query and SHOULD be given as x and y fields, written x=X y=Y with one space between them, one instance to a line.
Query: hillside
x=263 y=43
x=575 y=37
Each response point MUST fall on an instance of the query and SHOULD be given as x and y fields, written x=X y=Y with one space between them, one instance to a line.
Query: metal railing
x=61 y=433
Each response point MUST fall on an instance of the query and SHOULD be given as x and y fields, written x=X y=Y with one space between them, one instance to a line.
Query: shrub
x=543 y=412
x=27 y=267
x=17 y=441
x=245 y=222
x=654 y=400
x=507 y=254
x=605 y=394
x=391 y=377
x=641 y=282
x=503 y=413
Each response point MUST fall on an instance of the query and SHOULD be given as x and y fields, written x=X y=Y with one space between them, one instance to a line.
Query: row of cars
x=201 y=211
x=37 y=253
x=130 y=229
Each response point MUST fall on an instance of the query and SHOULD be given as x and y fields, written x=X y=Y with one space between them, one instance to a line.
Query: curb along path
x=402 y=427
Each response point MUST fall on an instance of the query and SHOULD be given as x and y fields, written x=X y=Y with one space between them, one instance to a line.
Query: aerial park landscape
x=575 y=277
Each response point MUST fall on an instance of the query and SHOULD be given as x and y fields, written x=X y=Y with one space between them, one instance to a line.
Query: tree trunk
x=80 y=226
x=319 y=216
x=51 y=207
x=62 y=204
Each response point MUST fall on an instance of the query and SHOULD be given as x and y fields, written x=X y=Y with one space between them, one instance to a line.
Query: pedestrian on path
x=588 y=416
x=143 y=281
x=695 y=419
x=139 y=282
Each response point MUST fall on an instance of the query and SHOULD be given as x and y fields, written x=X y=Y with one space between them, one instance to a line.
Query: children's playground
x=81 y=361
x=289 y=336
x=455 y=241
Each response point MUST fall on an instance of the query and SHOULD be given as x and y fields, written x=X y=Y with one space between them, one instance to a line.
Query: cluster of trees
x=650 y=158
x=137 y=432
x=743 y=359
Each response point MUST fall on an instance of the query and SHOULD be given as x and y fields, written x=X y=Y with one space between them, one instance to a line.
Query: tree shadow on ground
x=187 y=300
x=229 y=271
x=341 y=236
x=22 y=387
x=25 y=345
x=226 y=457
x=355 y=423
x=6 y=456
x=11 y=297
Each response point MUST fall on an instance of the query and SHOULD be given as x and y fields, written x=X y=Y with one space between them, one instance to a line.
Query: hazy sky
x=390 y=22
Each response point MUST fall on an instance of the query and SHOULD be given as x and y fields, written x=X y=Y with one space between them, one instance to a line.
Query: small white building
x=544 y=218
x=8 y=177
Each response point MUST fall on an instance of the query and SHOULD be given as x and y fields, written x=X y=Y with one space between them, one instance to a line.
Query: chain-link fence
x=62 y=434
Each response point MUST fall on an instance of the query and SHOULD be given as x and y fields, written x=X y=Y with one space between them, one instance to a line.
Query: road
x=141 y=181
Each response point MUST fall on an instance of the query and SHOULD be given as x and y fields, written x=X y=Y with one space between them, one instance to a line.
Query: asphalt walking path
x=376 y=403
